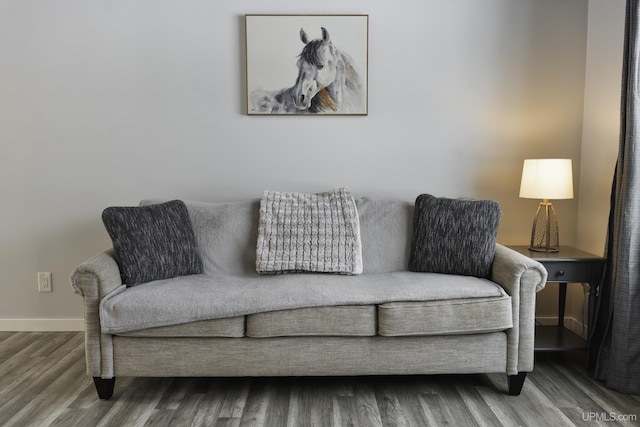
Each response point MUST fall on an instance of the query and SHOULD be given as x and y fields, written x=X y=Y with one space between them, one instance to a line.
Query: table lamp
x=546 y=179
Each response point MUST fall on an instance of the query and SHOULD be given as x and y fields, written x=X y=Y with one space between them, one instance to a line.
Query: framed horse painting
x=307 y=64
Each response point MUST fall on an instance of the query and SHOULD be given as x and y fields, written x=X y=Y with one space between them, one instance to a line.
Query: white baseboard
x=41 y=325
x=574 y=325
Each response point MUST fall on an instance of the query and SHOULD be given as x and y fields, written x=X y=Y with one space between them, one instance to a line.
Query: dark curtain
x=615 y=340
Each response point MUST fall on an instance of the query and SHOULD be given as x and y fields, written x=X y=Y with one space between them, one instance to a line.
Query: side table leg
x=562 y=300
x=591 y=314
x=593 y=291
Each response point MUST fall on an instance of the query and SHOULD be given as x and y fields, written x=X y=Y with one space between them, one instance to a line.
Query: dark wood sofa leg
x=516 y=382
x=104 y=387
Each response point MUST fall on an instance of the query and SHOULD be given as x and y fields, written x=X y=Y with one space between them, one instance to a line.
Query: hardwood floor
x=43 y=383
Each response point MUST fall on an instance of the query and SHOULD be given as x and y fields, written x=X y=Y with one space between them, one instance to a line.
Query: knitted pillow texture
x=152 y=242
x=454 y=236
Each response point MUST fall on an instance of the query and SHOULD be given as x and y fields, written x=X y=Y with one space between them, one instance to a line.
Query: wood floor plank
x=344 y=411
x=390 y=408
x=27 y=401
x=408 y=390
x=366 y=405
x=57 y=344
x=500 y=407
x=5 y=335
x=12 y=370
x=448 y=403
x=557 y=391
x=257 y=404
x=538 y=409
x=87 y=415
x=342 y=386
x=214 y=396
x=182 y=411
x=293 y=406
x=44 y=383
x=180 y=389
x=318 y=401
x=137 y=402
x=610 y=400
x=476 y=405
x=15 y=357
x=17 y=342
x=236 y=399
x=277 y=410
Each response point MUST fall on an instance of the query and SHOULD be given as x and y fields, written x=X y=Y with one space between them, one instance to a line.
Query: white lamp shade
x=547 y=179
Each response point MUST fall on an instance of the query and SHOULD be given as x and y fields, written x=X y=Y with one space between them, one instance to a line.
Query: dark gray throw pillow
x=454 y=236
x=152 y=242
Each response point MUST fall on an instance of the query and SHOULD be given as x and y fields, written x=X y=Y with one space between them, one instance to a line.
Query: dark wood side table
x=569 y=265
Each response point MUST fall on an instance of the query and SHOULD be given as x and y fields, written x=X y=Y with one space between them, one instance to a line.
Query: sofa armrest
x=511 y=267
x=93 y=280
x=99 y=275
x=521 y=277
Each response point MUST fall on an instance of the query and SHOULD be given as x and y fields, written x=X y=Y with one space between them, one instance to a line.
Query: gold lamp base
x=544 y=234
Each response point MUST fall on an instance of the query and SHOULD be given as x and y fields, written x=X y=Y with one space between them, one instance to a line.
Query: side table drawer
x=570 y=272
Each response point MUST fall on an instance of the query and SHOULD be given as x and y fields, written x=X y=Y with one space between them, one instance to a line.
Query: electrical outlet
x=44 y=282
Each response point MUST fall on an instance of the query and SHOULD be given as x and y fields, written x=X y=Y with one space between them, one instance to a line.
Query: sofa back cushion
x=227 y=234
x=386 y=227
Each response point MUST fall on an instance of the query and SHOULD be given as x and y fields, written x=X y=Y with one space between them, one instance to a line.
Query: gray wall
x=600 y=130
x=601 y=120
x=105 y=103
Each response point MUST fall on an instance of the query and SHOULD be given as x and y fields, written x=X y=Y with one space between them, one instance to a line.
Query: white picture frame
x=307 y=64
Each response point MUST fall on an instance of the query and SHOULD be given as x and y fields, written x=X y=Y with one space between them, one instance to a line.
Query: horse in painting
x=327 y=82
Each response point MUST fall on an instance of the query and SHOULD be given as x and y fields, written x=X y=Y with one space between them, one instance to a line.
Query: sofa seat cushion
x=229 y=327
x=354 y=320
x=456 y=316
x=201 y=297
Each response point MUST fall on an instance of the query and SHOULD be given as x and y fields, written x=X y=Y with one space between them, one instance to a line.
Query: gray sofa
x=231 y=321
